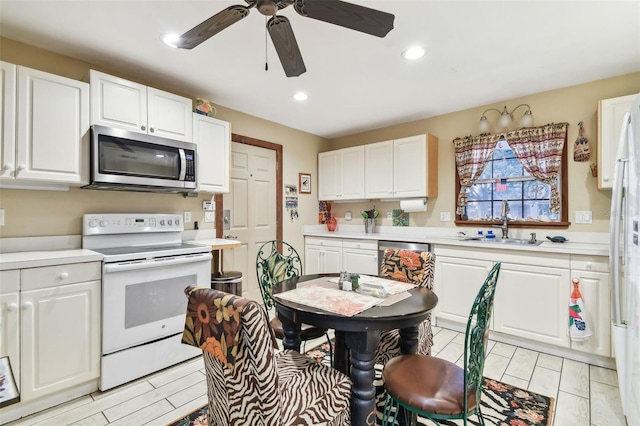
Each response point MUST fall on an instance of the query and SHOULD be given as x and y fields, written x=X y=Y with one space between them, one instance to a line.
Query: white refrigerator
x=625 y=263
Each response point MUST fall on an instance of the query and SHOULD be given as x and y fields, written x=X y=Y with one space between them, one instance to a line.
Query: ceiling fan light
x=414 y=52
x=171 y=40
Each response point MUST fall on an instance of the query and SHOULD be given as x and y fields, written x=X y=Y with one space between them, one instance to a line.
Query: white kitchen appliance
x=625 y=263
x=145 y=270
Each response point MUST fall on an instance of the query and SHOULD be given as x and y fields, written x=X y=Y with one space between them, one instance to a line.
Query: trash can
x=227 y=281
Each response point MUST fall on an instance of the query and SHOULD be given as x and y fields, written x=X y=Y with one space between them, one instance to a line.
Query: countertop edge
x=35 y=259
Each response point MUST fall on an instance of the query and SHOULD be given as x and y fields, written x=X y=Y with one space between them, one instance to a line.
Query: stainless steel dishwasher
x=383 y=246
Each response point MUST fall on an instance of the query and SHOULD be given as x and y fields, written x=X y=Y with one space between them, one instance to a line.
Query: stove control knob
x=103 y=223
x=177 y=222
x=93 y=223
x=169 y=222
x=161 y=222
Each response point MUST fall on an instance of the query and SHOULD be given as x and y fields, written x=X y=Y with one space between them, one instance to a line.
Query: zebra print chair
x=407 y=266
x=248 y=381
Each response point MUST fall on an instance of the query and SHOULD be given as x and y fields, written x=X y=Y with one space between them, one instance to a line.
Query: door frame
x=261 y=144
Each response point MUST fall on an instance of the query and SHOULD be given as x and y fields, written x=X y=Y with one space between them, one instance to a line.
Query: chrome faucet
x=504 y=227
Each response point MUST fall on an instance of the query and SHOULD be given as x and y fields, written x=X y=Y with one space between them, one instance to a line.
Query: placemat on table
x=347 y=303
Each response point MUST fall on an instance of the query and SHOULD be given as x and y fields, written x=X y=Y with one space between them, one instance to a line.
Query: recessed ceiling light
x=413 y=52
x=300 y=96
x=171 y=39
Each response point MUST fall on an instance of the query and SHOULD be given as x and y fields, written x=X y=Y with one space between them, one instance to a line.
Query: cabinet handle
x=589 y=265
x=143 y=127
x=151 y=129
x=605 y=179
x=64 y=275
x=27 y=305
x=7 y=166
x=12 y=307
x=20 y=168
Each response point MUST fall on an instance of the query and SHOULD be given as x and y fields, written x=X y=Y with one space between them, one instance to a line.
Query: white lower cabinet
x=51 y=327
x=360 y=256
x=532 y=296
x=60 y=338
x=532 y=302
x=457 y=282
x=593 y=276
x=322 y=255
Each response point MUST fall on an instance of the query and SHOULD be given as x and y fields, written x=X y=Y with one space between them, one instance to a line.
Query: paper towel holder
x=414 y=205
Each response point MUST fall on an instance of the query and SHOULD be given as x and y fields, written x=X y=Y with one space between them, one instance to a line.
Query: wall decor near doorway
x=305 y=183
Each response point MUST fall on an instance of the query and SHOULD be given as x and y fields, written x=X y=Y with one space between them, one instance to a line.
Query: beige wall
x=45 y=213
x=572 y=105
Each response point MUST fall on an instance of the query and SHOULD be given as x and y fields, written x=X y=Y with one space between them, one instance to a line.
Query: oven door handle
x=155 y=263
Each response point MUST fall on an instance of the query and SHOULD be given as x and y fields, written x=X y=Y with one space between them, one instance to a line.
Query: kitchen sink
x=506 y=241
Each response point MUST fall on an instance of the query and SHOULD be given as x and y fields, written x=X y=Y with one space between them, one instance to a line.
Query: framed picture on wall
x=304 y=183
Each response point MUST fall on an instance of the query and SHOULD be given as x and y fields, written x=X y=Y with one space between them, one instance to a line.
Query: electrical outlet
x=445 y=216
x=1 y=217
x=187 y=217
x=389 y=215
x=208 y=217
x=347 y=215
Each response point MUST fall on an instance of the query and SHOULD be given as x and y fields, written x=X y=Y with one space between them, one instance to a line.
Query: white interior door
x=252 y=210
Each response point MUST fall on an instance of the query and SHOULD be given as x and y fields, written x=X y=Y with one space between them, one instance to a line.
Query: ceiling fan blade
x=286 y=45
x=212 y=26
x=347 y=15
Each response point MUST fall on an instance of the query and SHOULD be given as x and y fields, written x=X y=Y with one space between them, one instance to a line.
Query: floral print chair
x=249 y=382
x=413 y=267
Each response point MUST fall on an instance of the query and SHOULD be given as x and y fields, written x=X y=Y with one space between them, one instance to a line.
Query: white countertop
x=34 y=259
x=579 y=243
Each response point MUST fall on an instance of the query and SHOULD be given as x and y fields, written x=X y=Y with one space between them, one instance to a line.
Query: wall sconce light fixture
x=506 y=119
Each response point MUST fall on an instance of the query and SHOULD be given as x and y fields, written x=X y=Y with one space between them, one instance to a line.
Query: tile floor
x=584 y=394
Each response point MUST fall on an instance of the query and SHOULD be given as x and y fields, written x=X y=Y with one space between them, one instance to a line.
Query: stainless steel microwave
x=130 y=161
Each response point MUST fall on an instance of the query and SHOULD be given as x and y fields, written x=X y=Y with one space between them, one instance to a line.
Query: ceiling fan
x=347 y=15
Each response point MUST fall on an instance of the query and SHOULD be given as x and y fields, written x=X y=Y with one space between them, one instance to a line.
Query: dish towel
x=579 y=327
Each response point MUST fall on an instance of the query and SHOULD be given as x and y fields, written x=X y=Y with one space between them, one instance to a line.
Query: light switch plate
x=208 y=217
x=389 y=215
x=584 y=217
x=1 y=217
x=347 y=215
x=187 y=217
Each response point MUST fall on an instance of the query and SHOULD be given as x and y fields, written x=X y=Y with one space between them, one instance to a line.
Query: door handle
x=230 y=237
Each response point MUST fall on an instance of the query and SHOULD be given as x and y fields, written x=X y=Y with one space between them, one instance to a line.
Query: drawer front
x=590 y=263
x=325 y=242
x=360 y=244
x=51 y=276
x=9 y=281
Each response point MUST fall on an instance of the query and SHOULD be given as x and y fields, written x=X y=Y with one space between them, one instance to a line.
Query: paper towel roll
x=415 y=205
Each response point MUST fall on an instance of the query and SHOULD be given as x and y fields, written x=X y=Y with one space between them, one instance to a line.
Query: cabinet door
x=313 y=260
x=594 y=287
x=116 y=102
x=61 y=338
x=457 y=282
x=332 y=260
x=360 y=261
x=410 y=167
x=532 y=302
x=352 y=182
x=610 y=115
x=329 y=175
x=378 y=158
x=10 y=331
x=53 y=124
x=169 y=115
x=7 y=119
x=213 y=140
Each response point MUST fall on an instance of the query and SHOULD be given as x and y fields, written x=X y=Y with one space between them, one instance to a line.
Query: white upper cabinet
x=610 y=115
x=49 y=143
x=402 y=168
x=123 y=104
x=341 y=174
x=212 y=136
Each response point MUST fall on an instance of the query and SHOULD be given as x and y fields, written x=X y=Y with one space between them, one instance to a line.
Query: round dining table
x=357 y=336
